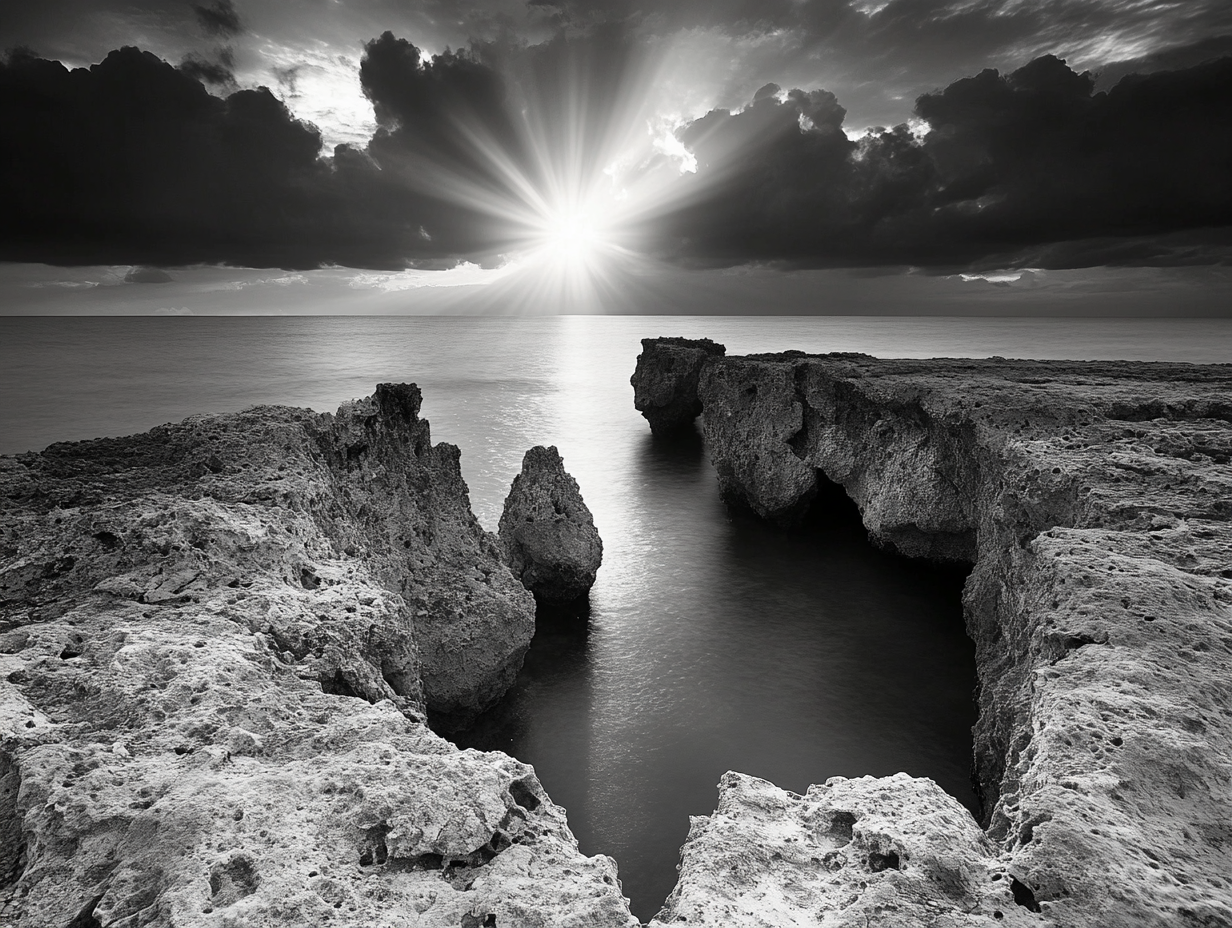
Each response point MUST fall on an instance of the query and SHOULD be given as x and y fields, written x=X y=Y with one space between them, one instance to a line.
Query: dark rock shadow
x=893 y=618
x=834 y=516
x=558 y=659
x=680 y=453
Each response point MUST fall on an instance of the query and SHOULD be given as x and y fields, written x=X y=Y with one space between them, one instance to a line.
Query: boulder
x=547 y=532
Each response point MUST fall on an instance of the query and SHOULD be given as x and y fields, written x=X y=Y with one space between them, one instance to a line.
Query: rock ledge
x=1095 y=502
x=218 y=642
x=665 y=380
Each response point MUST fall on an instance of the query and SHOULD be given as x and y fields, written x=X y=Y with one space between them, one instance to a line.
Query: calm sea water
x=710 y=643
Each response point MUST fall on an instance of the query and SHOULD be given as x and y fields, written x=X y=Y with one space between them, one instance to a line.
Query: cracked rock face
x=218 y=642
x=1094 y=500
x=410 y=509
x=665 y=380
x=547 y=531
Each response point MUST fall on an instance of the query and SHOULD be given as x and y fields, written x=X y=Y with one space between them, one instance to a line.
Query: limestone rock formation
x=895 y=852
x=218 y=641
x=1095 y=501
x=547 y=531
x=665 y=380
x=409 y=519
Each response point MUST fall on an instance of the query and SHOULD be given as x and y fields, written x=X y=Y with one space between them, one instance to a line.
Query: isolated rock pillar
x=547 y=532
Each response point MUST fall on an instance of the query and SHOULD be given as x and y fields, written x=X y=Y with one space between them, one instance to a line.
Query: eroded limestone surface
x=218 y=644
x=893 y=851
x=1094 y=500
x=548 y=534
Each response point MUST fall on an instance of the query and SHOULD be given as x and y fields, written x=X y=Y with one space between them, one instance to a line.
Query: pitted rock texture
x=1094 y=500
x=549 y=536
x=409 y=519
x=212 y=639
x=665 y=380
x=895 y=851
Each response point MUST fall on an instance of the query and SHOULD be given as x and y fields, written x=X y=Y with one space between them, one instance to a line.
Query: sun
x=570 y=253
x=571 y=237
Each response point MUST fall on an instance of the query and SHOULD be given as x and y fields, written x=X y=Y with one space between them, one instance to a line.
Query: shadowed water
x=710 y=643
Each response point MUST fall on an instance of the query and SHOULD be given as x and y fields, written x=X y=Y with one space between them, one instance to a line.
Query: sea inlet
x=713 y=642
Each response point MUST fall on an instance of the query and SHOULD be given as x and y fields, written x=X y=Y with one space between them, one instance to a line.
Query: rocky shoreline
x=219 y=645
x=1094 y=502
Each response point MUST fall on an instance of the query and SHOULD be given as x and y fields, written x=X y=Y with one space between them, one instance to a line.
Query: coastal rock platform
x=889 y=851
x=1094 y=501
x=220 y=642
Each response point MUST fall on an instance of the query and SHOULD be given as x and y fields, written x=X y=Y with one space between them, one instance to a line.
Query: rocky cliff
x=1094 y=501
x=547 y=532
x=219 y=642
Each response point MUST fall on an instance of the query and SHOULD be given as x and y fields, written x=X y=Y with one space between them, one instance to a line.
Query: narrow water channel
x=721 y=643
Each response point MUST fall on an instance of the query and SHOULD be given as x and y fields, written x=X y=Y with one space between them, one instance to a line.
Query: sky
x=793 y=156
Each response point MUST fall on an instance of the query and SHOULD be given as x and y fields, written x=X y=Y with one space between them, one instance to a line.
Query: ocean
x=711 y=642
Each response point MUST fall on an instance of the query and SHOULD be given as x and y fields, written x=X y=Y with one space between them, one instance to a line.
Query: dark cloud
x=769 y=185
x=445 y=131
x=214 y=73
x=132 y=161
x=441 y=109
x=219 y=18
x=1053 y=159
x=1030 y=167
